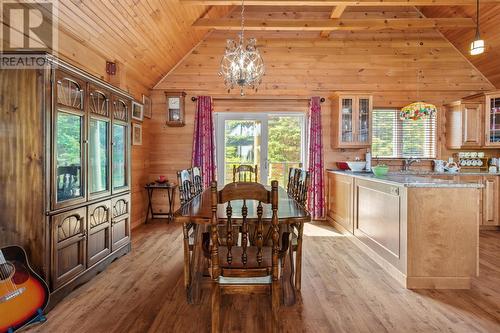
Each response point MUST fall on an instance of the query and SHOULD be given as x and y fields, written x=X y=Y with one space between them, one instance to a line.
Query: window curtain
x=316 y=196
x=204 y=140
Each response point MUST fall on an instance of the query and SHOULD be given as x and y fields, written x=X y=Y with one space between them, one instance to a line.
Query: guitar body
x=23 y=294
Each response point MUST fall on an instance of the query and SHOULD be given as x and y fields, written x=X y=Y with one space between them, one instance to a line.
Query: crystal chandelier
x=242 y=65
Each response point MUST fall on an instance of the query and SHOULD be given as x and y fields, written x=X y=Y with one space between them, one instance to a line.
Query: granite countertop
x=409 y=180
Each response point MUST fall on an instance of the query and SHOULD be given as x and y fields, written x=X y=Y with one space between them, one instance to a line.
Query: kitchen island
x=423 y=231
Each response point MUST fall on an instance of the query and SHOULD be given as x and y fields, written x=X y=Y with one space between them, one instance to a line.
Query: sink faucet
x=408 y=162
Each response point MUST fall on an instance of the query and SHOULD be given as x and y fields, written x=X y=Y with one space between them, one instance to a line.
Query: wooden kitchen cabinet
x=492 y=120
x=351 y=120
x=490 y=201
x=340 y=200
x=464 y=125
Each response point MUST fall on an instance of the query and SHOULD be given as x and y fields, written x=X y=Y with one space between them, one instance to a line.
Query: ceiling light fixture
x=418 y=110
x=477 y=46
x=242 y=65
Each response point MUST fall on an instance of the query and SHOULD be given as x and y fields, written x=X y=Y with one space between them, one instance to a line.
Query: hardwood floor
x=342 y=291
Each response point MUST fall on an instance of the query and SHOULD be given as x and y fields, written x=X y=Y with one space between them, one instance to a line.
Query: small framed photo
x=148 y=107
x=136 y=134
x=137 y=111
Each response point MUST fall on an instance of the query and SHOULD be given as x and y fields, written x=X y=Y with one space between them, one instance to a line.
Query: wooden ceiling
x=302 y=62
x=489 y=62
x=149 y=38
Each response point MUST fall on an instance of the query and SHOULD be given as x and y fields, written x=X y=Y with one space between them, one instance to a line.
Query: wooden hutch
x=65 y=171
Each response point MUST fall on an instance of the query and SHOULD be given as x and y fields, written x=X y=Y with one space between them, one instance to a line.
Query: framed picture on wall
x=137 y=111
x=136 y=134
x=148 y=107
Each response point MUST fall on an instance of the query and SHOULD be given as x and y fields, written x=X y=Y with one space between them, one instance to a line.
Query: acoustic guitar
x=23 y=294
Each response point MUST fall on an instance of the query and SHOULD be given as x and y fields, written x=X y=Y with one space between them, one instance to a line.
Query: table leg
x=150 y=205
x=171 y=200
x=298 y=256
x=196 y=266
x=187 y=257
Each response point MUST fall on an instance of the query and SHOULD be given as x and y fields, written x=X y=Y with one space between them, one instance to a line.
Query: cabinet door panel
x=99 y=157
x=99 y=232
x=68 y=246
x=120 y=222
x=472 y=133
x=340 y=200
x=490 y=201
x=492 y=115
x=120 y=158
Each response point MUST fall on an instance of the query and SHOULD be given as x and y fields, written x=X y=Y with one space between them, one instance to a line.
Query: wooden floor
x=343 y=291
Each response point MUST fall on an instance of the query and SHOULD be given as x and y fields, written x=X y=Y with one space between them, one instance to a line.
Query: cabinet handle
x=395 y=191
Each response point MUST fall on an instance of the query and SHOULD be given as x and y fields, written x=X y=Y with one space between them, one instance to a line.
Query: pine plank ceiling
x=302 y=62
x=489 y=62
x=151 y=37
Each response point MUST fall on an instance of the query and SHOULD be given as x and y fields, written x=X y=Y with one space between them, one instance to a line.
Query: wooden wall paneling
x=140 y=175
x=22 y=164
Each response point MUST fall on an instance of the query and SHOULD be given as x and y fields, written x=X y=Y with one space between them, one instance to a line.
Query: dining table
x=195 y=216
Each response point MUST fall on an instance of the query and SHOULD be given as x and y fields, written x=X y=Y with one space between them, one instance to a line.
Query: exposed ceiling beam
x=335 y=24
x=378 y=3
x=335 y=14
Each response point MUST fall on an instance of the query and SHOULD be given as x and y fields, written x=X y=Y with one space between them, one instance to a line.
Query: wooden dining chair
x=293 y=176
x=237 y=267
x=302 y=186
x=186 y=186
x=244 y=173
x=197 y=180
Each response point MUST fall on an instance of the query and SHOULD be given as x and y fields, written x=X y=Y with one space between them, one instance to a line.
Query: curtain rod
x=322 y=99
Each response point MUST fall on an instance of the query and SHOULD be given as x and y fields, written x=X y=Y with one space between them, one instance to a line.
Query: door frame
x=263 y=117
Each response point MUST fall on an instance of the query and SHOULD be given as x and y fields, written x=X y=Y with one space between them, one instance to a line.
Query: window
x=396 y=138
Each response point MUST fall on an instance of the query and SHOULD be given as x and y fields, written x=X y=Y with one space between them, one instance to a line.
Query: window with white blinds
x=396 y=138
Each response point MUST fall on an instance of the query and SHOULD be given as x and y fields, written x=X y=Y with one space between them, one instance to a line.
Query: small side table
x=170 y=188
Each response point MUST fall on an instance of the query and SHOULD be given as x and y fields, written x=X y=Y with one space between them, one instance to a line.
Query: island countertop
x=408 y=180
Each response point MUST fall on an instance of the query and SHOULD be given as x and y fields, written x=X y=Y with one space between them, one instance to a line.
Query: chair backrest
x=67 y=179
x=186 y=186
x=303 y=182
x=244 y=192
x=293 y=176
x=244 y=172
x=197 y=180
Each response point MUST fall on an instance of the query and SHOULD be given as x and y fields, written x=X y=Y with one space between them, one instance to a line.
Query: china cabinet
x=351 y=121
x=67 y=198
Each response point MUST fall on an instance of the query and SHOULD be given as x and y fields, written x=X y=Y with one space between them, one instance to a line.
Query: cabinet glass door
x=119 y=156
x=98 y=156
x=494 y=120
x=69 y=156
x=347 y=119
x=363 y=119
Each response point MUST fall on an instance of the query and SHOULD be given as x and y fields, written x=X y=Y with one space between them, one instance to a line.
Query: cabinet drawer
x=69 y=235
x=99 y=232
x=120 y=222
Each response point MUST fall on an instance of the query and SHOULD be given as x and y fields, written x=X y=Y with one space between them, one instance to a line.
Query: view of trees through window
x=243 y=144
x=396 y=138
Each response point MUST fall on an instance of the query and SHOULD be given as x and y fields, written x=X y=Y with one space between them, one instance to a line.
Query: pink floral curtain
x=316 y=195
x=204 y=140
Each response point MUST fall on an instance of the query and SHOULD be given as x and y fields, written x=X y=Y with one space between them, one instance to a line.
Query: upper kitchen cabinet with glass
x=492 y=113
x=351 y=117
x=69 y=138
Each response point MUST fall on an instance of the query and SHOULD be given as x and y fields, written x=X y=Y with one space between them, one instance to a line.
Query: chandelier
x=242 y=64
x=418 y=110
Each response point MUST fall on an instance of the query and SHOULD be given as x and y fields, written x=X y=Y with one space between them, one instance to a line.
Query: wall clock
x=175 y=108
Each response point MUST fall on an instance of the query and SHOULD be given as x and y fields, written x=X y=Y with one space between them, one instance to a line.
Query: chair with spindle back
x=293 y=176
x=186 y=194
x=244 y=268
x=197 y=180
x=244 y=173
x=186 y=186
x=68 y=178
x=302 y=186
